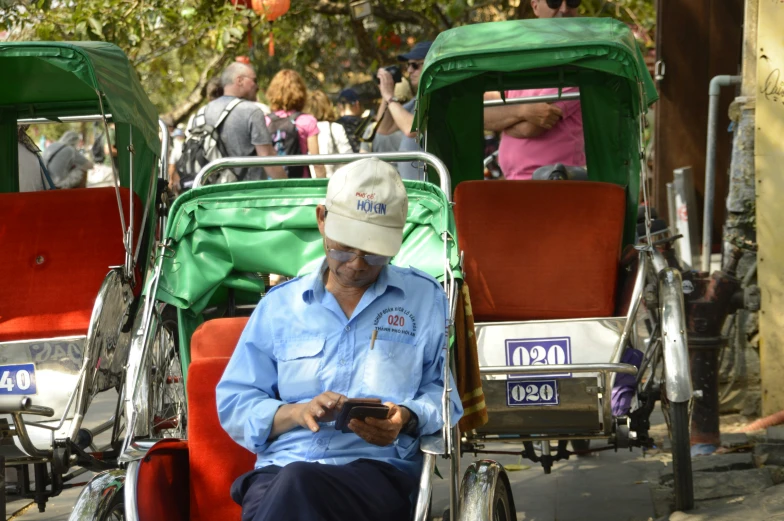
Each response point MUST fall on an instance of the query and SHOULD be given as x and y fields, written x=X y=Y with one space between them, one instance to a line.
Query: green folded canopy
x=598 y=55
x=225 y=236
x=57 y=79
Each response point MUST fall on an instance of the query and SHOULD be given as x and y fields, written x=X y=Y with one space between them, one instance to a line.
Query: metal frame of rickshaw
x=670 y=358
x=112 y=483
x=64 y=454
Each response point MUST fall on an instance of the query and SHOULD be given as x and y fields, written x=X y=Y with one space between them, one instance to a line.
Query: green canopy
x=225 y=235
x=598 y=55
x=57 y=79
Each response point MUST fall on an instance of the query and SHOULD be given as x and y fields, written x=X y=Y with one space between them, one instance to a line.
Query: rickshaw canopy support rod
x=549 y=98
x=63 y=119
x=559 y=368
x=710 y=164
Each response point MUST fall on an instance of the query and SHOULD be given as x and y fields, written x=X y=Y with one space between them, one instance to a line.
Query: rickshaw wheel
x=681 y=455
x=116 y=509
x=502 y=509
x=167 y=386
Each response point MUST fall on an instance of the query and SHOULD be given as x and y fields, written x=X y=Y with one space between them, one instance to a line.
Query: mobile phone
x=360 y=408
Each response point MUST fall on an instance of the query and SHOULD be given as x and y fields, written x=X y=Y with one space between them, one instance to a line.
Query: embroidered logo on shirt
x=396 y=320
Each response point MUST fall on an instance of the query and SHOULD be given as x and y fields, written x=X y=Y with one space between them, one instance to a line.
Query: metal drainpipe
x=710 y=164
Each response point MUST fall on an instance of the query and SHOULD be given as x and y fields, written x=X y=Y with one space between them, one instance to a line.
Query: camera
x=394 y=70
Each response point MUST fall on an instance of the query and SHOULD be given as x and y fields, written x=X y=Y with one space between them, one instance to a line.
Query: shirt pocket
x=300 y=362
x=393 y=369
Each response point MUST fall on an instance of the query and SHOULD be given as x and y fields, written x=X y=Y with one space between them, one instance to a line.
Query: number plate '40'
x=521 y=393
x=17 y=379
x=526 y=352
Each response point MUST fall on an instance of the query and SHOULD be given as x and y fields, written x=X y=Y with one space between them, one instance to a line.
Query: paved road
x=605 y=486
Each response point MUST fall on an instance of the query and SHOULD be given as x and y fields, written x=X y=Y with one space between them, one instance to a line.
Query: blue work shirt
x=298 y=343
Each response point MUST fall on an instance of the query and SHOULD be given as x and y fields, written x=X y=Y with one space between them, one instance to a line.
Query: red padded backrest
x=217 y=338
x=540 y=249
x=56 y=247
x=215 y=460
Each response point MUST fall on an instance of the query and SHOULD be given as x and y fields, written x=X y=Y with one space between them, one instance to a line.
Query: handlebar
x=328 y=159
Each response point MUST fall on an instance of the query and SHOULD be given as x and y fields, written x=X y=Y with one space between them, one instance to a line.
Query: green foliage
x=165 y=40
x=172 y=42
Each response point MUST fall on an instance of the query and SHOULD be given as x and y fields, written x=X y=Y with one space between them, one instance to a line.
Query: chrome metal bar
x=454 y=474
x=558 y=368
x=136 y=449
x=150 y=203
x=129 y=253
x=639 y=285
x=425 y=487
x=328 y=159
x=64 y=119
x=129 y=493
x=115 y=173
x=24 y=438
x=550 y=98
x=165 y=145
x=26 y=407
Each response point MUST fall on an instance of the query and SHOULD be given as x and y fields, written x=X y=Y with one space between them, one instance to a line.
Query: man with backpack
x=229 y=126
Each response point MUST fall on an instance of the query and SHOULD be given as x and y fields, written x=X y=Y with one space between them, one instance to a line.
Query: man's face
x=542 y=10
x=247 y=84
x=355 y=273
x=414 y=69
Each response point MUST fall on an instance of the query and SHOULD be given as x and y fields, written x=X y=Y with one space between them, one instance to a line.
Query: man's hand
x=524 y=129
x=381 y=432
x=323 y=408
x=543 y=114
x=386 y=84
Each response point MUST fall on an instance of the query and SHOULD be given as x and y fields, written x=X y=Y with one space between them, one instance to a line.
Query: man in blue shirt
x=356 y=328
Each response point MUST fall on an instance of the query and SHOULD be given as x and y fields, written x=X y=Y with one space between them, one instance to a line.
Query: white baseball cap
x=367 y=207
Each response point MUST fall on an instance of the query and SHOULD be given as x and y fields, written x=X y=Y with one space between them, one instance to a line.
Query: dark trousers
x=361 y=490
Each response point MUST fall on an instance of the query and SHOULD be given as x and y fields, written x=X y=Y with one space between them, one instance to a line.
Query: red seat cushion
x=56 y=247
x=215 y=459
x=540 y=249
x=217 y=338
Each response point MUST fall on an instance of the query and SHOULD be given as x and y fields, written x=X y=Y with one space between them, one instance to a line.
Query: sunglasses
x=348 y=256
x=413 y=65
x=556 y=4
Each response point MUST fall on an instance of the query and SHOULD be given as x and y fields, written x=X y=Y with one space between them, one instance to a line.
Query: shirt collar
x=314 y=283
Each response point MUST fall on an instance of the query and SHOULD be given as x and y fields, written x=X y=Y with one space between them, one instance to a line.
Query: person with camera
x=403 y=114
x=538 y=134
x=339 y=373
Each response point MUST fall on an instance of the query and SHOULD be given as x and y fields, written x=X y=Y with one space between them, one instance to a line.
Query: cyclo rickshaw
x=221 y=244
x=579 y=317
x=72 y=260
x=223 y=241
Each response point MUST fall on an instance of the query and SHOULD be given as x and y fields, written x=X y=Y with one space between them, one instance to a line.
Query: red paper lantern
x=270 y=9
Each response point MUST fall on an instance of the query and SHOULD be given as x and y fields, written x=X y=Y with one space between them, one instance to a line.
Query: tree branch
x=196 y=97
x=379 y=11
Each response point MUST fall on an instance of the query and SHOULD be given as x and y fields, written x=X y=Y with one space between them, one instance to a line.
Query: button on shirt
x=298 y=343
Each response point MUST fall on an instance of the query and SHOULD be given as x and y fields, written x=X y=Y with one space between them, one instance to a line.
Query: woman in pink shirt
x=537 y=134
x=287 y=95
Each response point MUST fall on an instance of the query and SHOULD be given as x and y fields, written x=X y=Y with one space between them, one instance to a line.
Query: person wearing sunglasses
x=538 y=134
x=555 y=8
x=403 y=114
x=356 y=327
